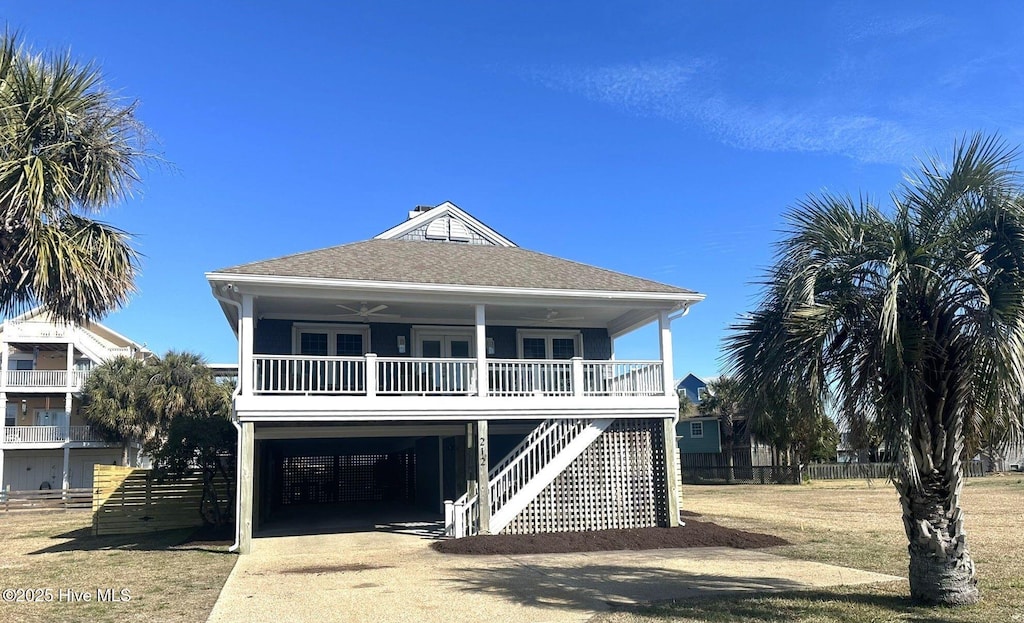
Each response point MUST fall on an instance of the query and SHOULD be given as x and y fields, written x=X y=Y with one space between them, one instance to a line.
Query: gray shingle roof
x=404 y=261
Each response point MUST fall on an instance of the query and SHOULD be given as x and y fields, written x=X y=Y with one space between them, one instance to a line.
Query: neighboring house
x=845 y=452
x=439 y=366
x=1005 y=457
x=44 y=442
x=699 y=434
x=693 y=387
x=701 y=443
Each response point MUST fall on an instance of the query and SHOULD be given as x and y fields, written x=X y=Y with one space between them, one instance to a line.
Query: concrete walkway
x=395 y=576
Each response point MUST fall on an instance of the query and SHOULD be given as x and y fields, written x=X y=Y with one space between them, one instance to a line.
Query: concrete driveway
x=393 y=575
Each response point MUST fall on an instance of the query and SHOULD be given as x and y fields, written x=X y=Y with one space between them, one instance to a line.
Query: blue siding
x=689 y=387
x=384 y=339
x=274 y=337
x=688 y=444
x=596 y=344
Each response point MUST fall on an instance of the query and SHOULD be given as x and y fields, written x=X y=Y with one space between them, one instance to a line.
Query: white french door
x=451 y=376
x=446 y=346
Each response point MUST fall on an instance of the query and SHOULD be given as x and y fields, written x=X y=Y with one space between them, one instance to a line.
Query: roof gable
x=446 y=222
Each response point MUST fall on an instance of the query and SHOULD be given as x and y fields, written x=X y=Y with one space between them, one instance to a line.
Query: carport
x=321 y=478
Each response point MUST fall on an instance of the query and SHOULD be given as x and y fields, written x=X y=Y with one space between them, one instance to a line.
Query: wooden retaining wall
x=130 y=500
x=46 y=499
x=618 y=482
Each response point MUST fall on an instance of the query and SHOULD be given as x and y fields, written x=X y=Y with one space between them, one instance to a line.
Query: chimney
x=419 y=210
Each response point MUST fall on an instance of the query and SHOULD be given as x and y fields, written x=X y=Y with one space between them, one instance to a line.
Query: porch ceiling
x=525 y=313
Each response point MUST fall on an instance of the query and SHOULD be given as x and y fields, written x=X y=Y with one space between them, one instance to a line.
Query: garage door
x=330 y=478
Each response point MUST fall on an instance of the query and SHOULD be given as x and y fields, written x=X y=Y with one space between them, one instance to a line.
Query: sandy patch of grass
x=165 y=579
x=856 y=524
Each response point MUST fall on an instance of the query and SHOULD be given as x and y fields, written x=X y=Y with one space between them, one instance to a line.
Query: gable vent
x=437 y=230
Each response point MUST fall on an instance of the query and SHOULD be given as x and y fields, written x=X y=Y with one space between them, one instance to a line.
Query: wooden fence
x=131 y=500
x=765 y=475
x=844 y=471
x=46 y=499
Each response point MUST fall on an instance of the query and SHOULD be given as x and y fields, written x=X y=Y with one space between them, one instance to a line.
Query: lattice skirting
x=618 y=482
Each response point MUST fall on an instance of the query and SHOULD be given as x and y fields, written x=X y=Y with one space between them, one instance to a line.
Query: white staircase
x=520 y=477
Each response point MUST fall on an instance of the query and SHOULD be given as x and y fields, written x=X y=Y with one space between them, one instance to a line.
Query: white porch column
x=482 y=376
x=70 y=367
x=483 y=477
x=245 y=336
x=243 y=521
x=669 y=424
x=68 y=397
x=69 y=381
x=3 y=423
x=5 y=364
x=66 y=479
x=665 y=344
x=3 y=479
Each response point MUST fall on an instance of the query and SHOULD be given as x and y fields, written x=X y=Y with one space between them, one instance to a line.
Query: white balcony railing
x=530 y=377
x=45 y=378
x=623 y=378
x=48 y=434
x=421 y=376
x=309 y=375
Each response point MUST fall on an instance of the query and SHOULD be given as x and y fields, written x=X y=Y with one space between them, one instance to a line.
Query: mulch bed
x=693 y=534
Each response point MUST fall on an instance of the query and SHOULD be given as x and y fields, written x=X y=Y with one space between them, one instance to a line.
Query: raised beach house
x=440 y=367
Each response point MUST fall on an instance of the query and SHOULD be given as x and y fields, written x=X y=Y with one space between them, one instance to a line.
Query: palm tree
x=913 y=318
x=68 y=148
x=180 y=384
x=113 y=401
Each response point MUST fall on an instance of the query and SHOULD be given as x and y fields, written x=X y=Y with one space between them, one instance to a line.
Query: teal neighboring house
x=698 y=434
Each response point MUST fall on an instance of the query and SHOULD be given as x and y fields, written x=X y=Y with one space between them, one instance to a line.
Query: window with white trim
x=330 y=340
x=696 y=430
x=549 y=344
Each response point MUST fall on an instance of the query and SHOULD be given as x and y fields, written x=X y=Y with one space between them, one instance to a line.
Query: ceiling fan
x=365 y=312
x=551 y=317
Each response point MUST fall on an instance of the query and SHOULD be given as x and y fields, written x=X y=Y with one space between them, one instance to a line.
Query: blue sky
x=661 y=139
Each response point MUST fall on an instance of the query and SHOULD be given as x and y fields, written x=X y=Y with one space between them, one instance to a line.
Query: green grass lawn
x=166 y=579
x=856 y=524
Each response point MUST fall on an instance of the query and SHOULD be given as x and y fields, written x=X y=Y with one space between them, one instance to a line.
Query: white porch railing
x=302 y=374
x=46 y=378
x=422 y=376
x=530 y=377
x=623 y=378
x=37 y=378
x=48 y=434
